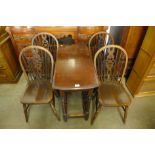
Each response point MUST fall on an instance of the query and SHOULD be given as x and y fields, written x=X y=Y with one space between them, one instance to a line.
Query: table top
x=74 y=69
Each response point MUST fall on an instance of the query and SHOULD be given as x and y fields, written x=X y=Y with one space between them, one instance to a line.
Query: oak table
x=74 y=71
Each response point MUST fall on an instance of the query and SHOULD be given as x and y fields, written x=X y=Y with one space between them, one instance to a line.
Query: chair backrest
x=110 y=63
x=36 y=63
x=48 y=41
x=99 y=40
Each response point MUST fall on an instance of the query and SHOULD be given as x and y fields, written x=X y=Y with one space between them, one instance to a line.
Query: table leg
x=86 y=104
x=64 y=105
x=96 y=97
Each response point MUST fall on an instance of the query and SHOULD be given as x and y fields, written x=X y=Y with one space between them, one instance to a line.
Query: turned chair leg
x=25 y=107
x=96 y=113
x=125 y=113
x=96 y=99
x=54 y=111
x=53 y=99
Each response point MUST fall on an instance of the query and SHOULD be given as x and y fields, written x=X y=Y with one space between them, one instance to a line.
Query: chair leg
x=54 y=111
x=96 y=99
x=96 y=113
x=57 y=93
x=53 y=99
x=125 y=113
x=25 y=107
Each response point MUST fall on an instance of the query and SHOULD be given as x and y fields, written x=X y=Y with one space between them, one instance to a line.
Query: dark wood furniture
x=74 y=71
x=132 y=38
x=10 y=70
x=85 y=32
x=110 y=64
x=99 y=40
x=2 y=30
x=21 y=36
x=141 y=81
x=37 y=65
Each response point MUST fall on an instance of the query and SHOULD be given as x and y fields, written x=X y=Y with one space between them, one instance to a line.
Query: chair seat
x=113 y=94
x=38 y=93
